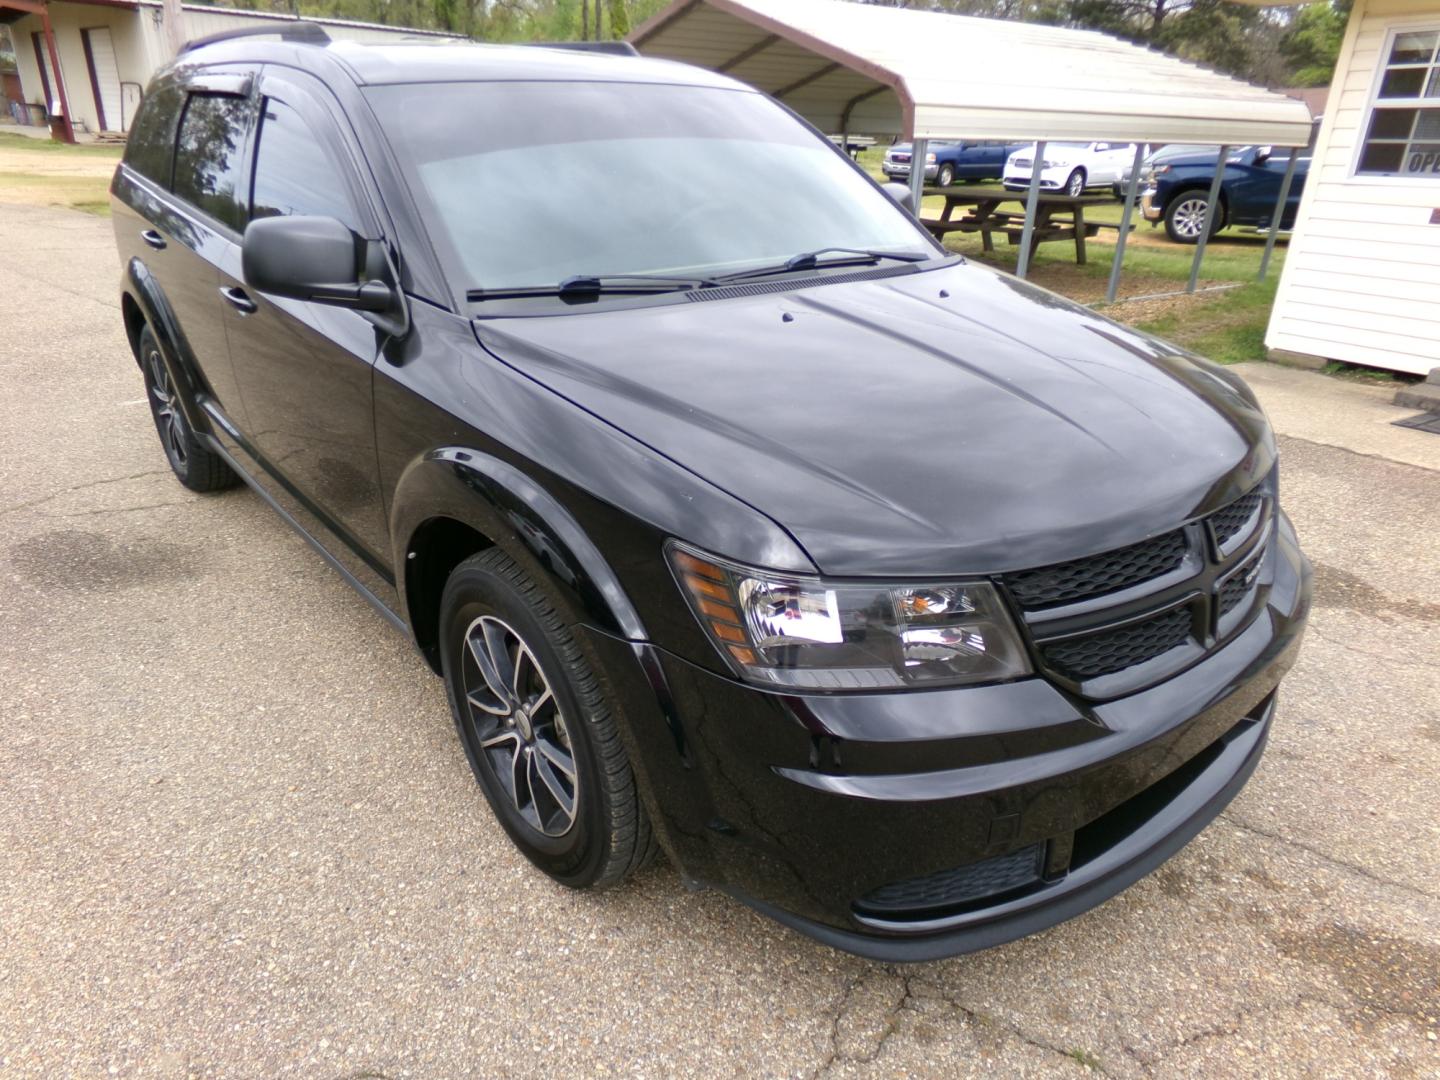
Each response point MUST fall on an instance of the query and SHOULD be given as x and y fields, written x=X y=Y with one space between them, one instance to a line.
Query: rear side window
x=208 y=155
x=151 y=144
x=293 y=174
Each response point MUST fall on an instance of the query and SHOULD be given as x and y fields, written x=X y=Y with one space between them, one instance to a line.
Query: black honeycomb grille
x=1109 y=651
x=948 y=889
x=1238 y=587
x=1231 y=520
x=1110 y=572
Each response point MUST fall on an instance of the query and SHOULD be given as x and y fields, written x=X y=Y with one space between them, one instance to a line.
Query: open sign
x=1423 y=160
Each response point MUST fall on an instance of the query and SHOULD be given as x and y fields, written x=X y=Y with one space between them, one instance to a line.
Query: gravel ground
x=240 y=837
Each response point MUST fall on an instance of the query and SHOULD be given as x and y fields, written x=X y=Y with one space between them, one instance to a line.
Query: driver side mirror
x=1262 y=154
x=901 y=194
x=310 y=258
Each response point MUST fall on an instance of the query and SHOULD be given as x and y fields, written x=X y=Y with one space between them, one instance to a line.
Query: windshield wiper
x=583 y=285
x=811 y=260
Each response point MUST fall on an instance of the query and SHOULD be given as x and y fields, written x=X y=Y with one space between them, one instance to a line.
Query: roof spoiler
x=303 y=33
x=611 y=48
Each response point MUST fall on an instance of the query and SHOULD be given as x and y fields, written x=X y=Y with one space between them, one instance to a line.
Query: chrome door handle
x=154 y=239
x=238 y=300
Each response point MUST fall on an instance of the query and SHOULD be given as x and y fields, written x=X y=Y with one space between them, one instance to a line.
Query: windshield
x=531 y=183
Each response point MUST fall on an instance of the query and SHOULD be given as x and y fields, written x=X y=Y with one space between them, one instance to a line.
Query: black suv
x=911 y=604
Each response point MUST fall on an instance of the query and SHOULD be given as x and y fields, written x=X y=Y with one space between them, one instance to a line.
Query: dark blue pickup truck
x=1177 y=191
x=946 y=162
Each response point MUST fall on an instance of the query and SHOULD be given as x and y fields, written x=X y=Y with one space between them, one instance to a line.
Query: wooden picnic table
x=1057 y=216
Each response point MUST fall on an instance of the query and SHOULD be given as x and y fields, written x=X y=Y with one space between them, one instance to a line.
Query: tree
x=1313 y=43
x=619 y=20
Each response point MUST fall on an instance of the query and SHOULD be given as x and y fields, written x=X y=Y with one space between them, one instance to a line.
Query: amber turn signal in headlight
x=807 y=632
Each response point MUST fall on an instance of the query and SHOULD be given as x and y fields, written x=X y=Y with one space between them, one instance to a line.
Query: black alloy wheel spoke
x=518 y=727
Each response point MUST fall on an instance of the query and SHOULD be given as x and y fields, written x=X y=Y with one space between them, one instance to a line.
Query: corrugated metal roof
x=893 y=71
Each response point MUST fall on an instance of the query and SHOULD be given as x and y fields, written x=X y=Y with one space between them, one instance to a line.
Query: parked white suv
x=1071 y=167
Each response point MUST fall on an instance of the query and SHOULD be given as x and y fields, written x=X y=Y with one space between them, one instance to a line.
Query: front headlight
x=807 y=632
x=929 y=159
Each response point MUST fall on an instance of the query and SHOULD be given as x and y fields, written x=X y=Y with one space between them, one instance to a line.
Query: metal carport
x=866 y=69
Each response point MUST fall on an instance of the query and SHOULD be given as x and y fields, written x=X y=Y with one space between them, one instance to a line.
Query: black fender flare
x=517 y=515
x=143 y=288
x=511 y=510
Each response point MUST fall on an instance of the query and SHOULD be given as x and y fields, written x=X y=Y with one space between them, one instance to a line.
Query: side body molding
x=505 y=505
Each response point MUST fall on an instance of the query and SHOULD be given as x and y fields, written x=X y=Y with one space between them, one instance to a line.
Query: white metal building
x=1362 y=278
x=108 y=49
x=877 y=70
x=868 y=69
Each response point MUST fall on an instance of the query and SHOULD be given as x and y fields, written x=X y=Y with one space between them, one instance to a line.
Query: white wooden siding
x=1362 y=277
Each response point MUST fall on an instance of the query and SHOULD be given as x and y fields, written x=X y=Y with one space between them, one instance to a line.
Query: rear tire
x=195 y=465
x=541 y=736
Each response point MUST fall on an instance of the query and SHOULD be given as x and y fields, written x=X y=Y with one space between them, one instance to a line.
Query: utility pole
x=174 y=26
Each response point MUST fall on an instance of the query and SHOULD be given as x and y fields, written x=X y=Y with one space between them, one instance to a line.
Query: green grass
x=1359 y=373
x=1084 y=1057
x=89 y=194
x=1228 y=327
x=10 y=141
x=98 y=207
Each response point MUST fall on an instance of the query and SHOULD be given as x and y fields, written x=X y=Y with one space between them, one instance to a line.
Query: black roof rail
x=611 y=48
x=305 y=33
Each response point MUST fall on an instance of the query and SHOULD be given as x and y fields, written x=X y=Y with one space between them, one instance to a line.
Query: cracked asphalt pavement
x=239 y=836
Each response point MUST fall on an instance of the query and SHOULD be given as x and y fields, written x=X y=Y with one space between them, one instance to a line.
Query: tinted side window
x=151 y=144
x=293 y=174
x=208 y=154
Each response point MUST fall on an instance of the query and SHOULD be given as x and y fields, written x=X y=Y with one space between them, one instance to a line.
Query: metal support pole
x=1295 y=153
x=67 y=122
x=918 y=149
x=1032 y=200
x=1130 y=191
x=1211 y=210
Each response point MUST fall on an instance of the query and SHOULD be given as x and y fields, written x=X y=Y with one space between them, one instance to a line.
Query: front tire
x=1185 y=217
x=1075 y=184
x=195 y=465
x=946 y=176
x=541 y=736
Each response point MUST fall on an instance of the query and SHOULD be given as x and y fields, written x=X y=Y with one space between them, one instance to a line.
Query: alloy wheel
x=1077 y=185
x=1189 y=218
x=167 y=413
x=518 y=725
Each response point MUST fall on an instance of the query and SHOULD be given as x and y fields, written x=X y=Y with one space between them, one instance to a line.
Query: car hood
x=1054 y=155
x=945 y=422
x=1192 y=159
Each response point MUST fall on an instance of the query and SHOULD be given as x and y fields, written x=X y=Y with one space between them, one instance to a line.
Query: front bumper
x=1149 y=206
x=900 y=170
x=1050 y=179
x=810 y=808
